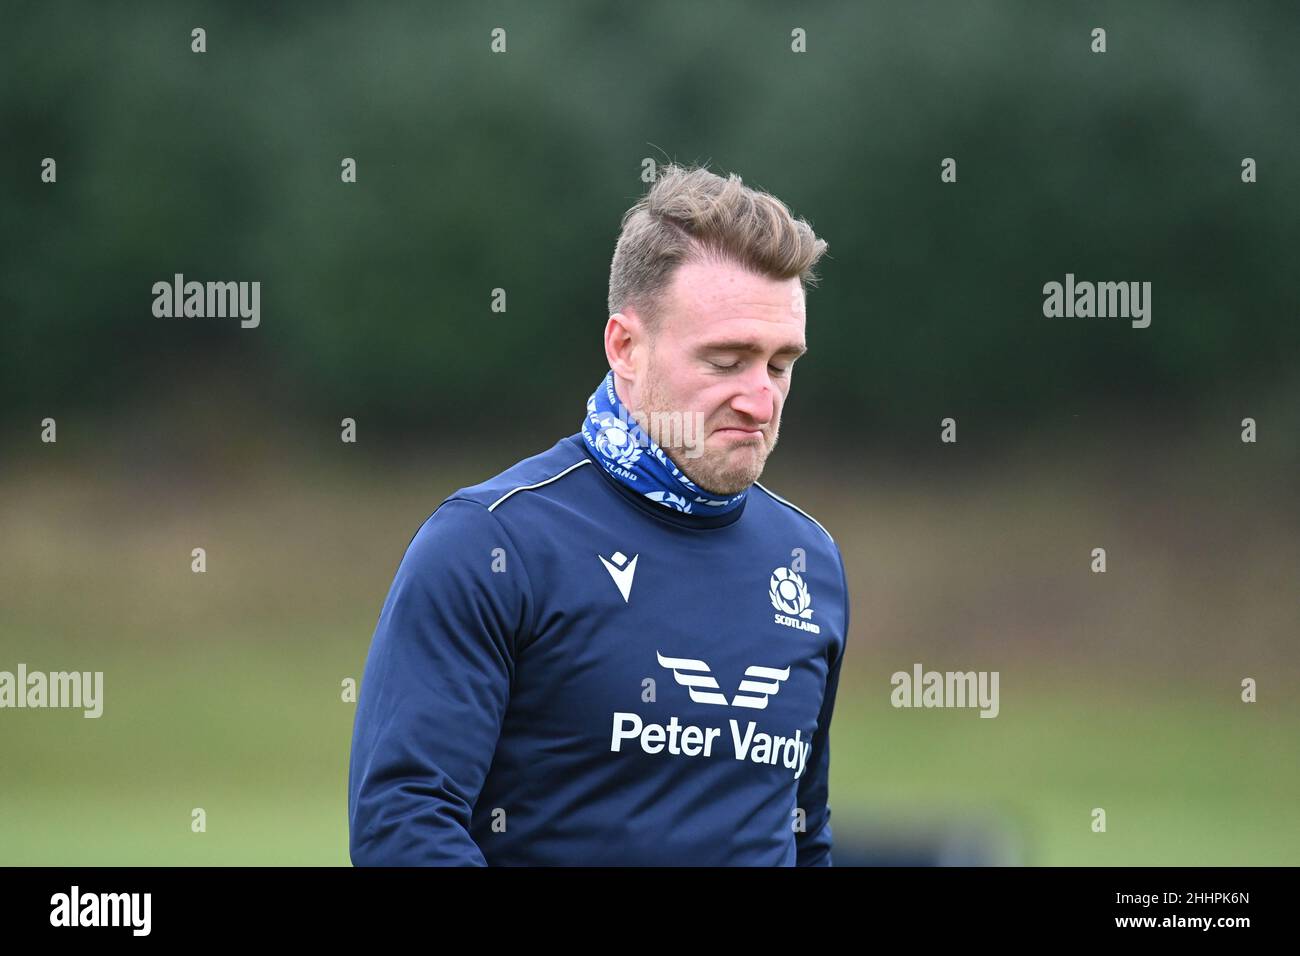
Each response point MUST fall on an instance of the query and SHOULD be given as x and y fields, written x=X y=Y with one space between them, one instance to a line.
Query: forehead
x=712 y=299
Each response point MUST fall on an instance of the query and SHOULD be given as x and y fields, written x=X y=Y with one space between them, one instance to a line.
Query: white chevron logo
x=769 y=685
x=621 y=571
x=703 y=686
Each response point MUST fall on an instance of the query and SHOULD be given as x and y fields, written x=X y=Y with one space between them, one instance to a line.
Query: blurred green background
x=479 y=171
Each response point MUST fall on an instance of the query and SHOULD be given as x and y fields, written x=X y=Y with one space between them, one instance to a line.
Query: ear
x=624 y=333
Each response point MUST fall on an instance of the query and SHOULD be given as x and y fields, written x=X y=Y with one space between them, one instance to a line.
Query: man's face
x=723 y=359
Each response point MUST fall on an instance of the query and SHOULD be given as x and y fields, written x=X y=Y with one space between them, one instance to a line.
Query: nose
x=757 y=400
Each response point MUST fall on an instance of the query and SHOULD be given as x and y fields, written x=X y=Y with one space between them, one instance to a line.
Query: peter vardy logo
x=690 y=740
x=793 y=603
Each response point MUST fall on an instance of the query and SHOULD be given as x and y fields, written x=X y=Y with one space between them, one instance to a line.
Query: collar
x=670 y=515
x=627 y=454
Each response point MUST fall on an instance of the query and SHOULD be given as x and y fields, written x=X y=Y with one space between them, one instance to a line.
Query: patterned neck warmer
x=637 y=462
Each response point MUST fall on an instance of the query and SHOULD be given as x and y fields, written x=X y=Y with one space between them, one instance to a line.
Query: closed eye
x=777 y=370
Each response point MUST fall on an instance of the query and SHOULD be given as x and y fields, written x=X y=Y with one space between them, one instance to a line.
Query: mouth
x=739 y=434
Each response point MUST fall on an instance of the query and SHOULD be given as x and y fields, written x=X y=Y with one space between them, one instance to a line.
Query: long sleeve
x=434 y=693
x=813 y=845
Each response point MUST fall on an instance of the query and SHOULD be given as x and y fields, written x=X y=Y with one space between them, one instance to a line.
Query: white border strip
x=798 y=509
x=576 y=464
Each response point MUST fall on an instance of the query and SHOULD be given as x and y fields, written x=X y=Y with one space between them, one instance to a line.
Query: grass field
x=259 y=740
x=222 y=690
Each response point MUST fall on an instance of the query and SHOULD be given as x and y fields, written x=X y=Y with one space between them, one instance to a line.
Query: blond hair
x=694 y=215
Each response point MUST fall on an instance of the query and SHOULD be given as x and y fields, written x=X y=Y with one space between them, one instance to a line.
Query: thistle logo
x=792 y=601
x=614 y=440
x=703 y=686
x=669 y=499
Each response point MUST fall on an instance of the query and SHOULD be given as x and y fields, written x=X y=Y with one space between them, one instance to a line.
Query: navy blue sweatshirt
x=565 y=673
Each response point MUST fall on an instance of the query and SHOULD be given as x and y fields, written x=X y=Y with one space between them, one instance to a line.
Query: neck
x=632 y=457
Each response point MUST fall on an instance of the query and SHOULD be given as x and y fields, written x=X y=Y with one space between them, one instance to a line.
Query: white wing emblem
x=769 y=685
x=694 y=675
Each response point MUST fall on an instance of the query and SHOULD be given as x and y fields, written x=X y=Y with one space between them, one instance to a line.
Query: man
x=625 y=650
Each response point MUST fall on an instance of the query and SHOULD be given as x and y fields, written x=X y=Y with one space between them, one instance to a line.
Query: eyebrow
x=742 y=346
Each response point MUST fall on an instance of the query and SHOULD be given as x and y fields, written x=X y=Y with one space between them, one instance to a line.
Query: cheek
x=685 y=378
x=696 y=388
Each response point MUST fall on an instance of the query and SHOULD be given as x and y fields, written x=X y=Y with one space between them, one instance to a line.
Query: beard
x=725 y=467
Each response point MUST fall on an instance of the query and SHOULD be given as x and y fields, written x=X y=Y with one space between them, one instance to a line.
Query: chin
x=732 y=483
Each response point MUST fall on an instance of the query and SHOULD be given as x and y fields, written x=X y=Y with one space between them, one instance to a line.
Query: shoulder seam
x=532 y=595
x=585 y=461
x=791 y=504
x=528 y=579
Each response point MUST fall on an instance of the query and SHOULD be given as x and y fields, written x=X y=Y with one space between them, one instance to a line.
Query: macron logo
x=621 y=571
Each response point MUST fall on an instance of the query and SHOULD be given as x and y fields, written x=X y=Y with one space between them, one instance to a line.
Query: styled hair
x=694 y=215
